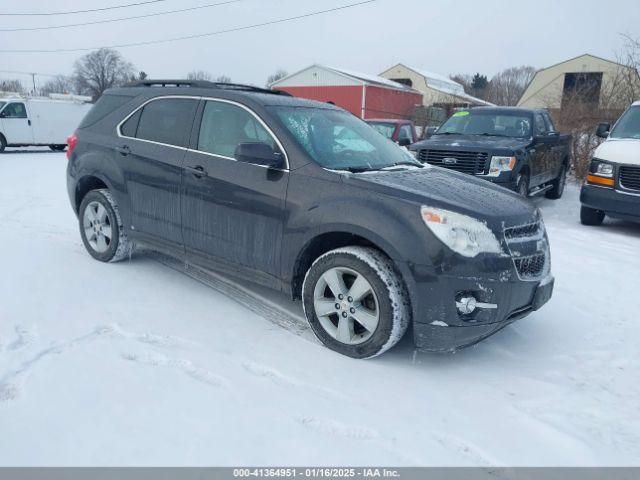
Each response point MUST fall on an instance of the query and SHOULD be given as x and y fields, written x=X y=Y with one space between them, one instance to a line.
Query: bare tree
x=58 y=84
x=465 y=80
x=223 y=79
x=279 y=74
x=101 y=69
x=199 y=75
x=11 y=86
x=506 y=87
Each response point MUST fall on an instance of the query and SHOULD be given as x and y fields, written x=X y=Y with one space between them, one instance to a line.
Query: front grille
x=529 y=250
x=630 y=178
x=531 y=267
x=523 y=231
x=473 y=163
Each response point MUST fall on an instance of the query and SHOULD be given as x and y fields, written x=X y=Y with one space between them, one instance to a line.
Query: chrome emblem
x=449 y=161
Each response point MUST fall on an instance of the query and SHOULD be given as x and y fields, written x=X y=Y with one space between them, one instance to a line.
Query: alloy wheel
x=346 y=305
x=97 y=226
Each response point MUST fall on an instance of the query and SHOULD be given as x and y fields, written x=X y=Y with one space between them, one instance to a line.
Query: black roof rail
x=204 y=84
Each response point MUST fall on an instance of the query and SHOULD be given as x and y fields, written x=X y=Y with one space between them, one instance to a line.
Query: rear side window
x=224 y=126
x=103 y=107
x=167 y=120
x=130 y=127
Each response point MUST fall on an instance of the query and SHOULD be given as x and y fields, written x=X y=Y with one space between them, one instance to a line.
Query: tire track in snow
x=183 y=365
x=12 y=382
x=244 y=296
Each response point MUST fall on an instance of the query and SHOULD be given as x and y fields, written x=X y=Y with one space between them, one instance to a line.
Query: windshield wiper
x=397 y=164
x=490 y=135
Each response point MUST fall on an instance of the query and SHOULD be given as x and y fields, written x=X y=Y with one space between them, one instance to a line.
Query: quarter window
x=167 y=120
x=15 y=110
x=224 y=126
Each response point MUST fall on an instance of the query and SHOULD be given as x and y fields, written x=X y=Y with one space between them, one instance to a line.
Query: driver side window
x=15 y=110
x=224 y=126
x=540 y=125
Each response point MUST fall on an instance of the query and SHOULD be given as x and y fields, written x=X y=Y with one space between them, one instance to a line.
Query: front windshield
x=629 y=125
x=487 y=122
x=338 y=140
x=385 y=129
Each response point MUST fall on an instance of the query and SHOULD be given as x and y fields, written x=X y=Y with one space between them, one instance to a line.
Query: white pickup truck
x=613 y=182
x=40 y=121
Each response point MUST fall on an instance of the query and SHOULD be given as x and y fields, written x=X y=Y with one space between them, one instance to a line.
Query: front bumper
x=614 y=203
x=440 y=327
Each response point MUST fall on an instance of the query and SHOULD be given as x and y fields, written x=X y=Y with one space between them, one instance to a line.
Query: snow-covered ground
x=138 y=363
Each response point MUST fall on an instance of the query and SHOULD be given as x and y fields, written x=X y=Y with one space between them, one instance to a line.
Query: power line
x=199 y=35
x=157 y=14
x=14 y=72
x=44 y=14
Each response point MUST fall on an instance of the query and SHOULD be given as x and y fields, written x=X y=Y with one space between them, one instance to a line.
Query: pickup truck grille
x=473 y=163
x=630 y=178
x=529 y=250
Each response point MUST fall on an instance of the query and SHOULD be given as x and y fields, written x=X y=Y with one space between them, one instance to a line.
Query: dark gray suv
x=305 y=198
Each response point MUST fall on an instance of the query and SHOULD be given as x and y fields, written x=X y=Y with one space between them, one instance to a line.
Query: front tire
x=3 y=143
x=356 y=302
x=101 y=227
x=591 y=216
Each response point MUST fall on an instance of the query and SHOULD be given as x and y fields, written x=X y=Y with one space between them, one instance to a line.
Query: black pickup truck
x=517 y=148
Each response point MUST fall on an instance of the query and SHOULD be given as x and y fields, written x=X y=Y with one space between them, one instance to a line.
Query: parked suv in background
x=517 y=148
x=304 y=197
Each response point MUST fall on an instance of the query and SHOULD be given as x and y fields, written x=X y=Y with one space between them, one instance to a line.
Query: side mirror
x=404 y=142
x=553 y=135
x=603 y=130
x=430 y=131
x=258 y=153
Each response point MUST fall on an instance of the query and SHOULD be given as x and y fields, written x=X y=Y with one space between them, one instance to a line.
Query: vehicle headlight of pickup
x=461 y=233
x=501 y=164
x=600 y=173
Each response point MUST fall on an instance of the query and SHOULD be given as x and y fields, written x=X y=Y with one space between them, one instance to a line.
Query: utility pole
x=33 y=79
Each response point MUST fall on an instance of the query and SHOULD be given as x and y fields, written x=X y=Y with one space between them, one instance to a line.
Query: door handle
x=123 y=150
x=197 y=171
x=29 y=122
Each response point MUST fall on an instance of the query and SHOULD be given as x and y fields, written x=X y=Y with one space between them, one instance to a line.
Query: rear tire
x=58 y=148
x=522 y=185
x=356 y=302
x=591 y=216
x=558 y=185
x=101 y=227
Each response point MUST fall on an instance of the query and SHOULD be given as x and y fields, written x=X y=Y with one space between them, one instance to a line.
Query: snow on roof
x=446 y=85
x=368 y=78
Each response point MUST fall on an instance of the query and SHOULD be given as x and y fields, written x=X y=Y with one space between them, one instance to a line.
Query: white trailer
x=40 y=121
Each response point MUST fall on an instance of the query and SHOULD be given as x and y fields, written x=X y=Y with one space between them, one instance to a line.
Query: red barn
x=366 y=96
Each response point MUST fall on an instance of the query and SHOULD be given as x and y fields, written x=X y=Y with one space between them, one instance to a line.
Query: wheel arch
x=86 y=184
x=326 y=241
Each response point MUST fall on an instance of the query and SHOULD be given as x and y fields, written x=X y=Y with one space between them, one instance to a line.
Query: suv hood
x=471 y=142
x=446 y=189
x=619 y=150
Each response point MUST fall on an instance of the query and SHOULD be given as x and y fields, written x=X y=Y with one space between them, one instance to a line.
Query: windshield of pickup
x=385 y=129
x=338 y=140
x=628 y=126
x=487 y=122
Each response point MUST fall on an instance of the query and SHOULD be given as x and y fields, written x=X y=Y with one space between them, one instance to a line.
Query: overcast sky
x=441 y=36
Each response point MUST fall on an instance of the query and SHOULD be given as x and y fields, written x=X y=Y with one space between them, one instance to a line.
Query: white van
x=40 y=121
x=613 y=182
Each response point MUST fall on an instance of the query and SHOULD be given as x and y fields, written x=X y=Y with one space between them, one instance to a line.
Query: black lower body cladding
x=614 y=203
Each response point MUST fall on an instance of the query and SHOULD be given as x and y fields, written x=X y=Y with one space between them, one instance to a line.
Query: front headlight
x=462 y=234
x=603 y=169
x=501 y=164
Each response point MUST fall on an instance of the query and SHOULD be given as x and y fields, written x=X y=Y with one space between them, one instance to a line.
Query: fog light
x=466 y=305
